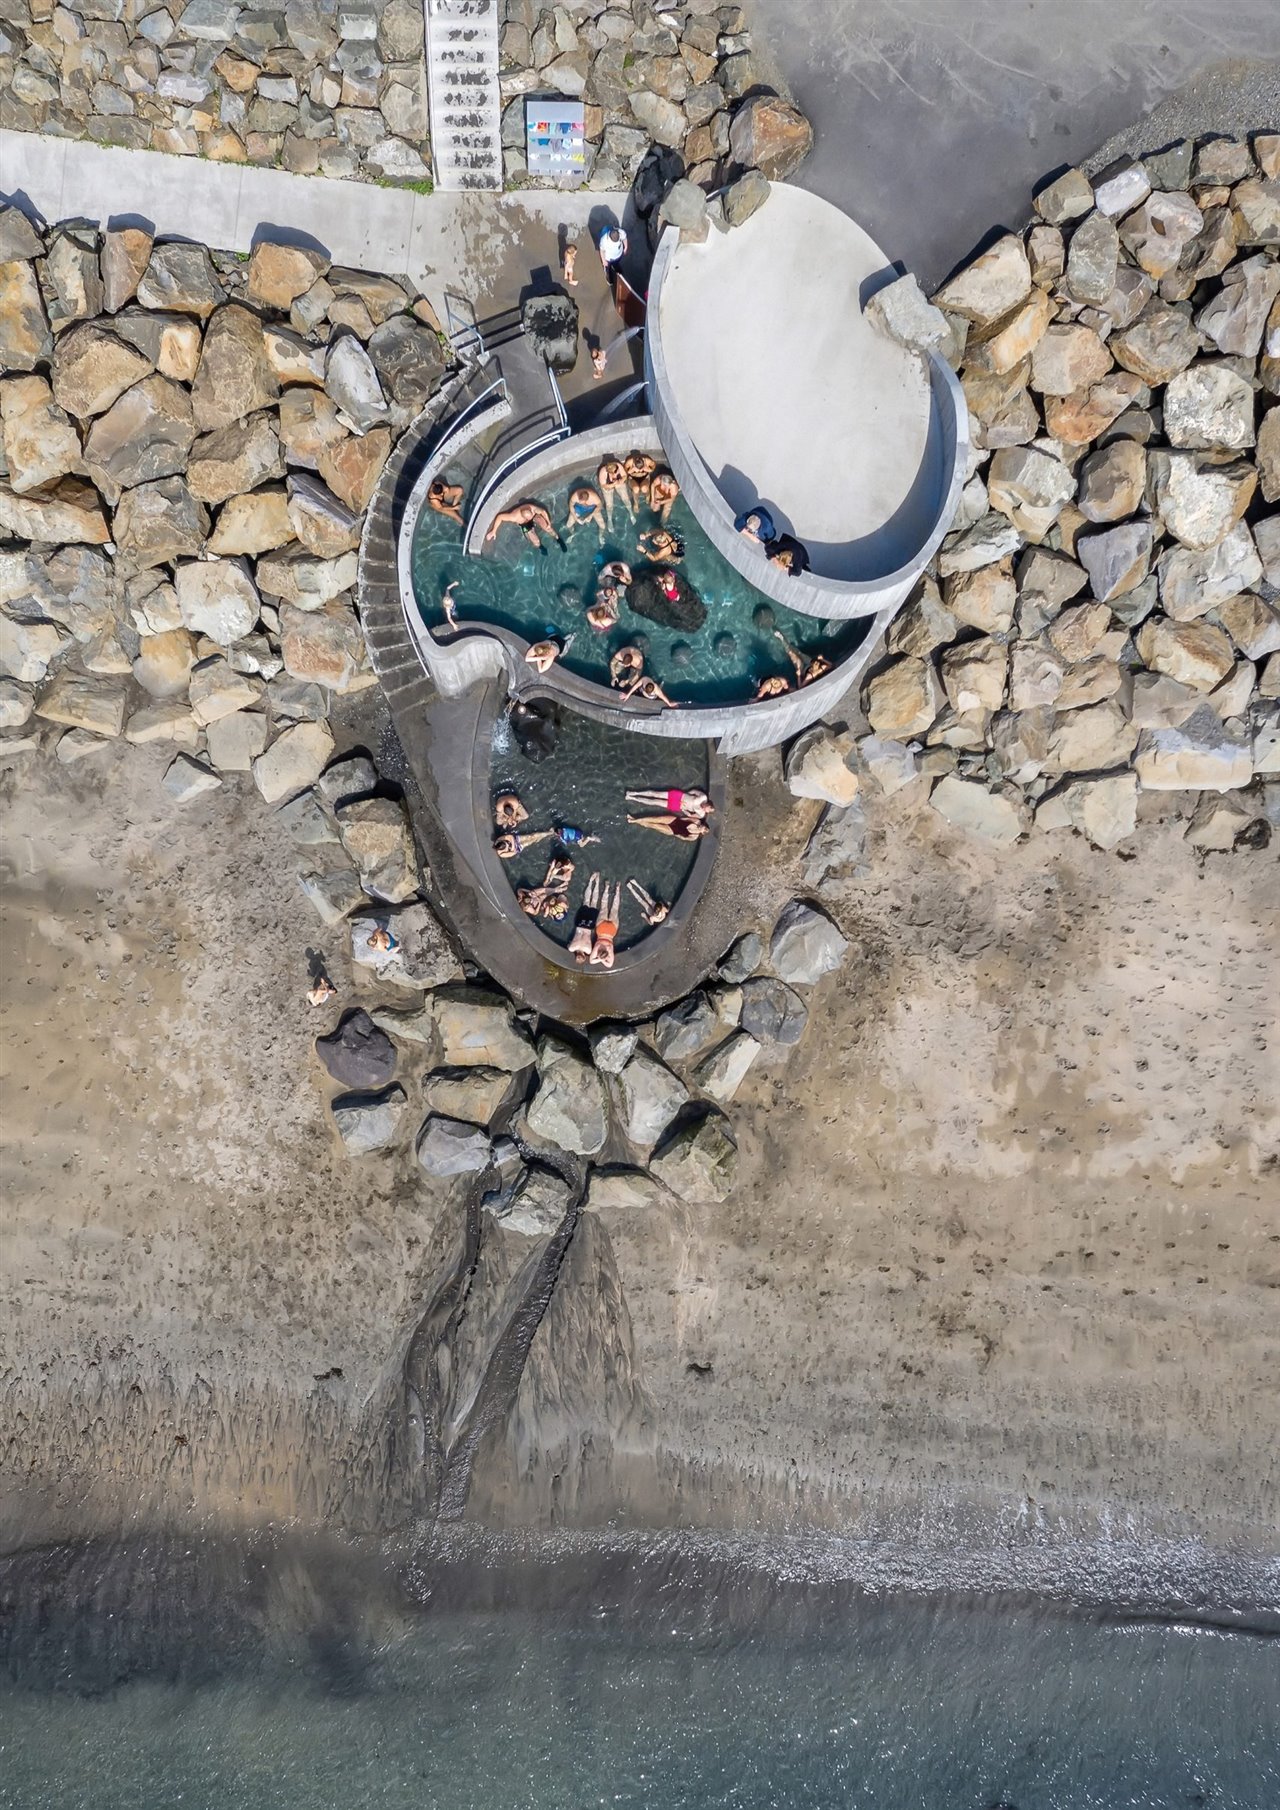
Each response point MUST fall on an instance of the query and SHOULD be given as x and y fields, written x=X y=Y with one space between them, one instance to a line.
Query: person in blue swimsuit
x=585 y=505
x=756 y=525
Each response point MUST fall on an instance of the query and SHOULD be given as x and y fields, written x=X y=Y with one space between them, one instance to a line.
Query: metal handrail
x=500 y=471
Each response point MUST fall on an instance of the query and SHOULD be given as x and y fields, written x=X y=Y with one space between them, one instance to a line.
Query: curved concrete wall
x=632 y=432
x=943 y=464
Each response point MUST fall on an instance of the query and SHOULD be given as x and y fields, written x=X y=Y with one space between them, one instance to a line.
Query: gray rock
x=368 y=1123
x=722 y=1073
x=18 y=238
x=612 y=1046
x=354 y=776
x=376 y=834
x=1201 y=755
x=685 y=206
x=1116 y=559
x=294 y=760
x=334 y=893
x=452 y=1147
x=236 y=741
x=772 y=1012
x=743 y=959
x=1235 y=318
x=699 y=1162
x=357 y=1053
x=891 y=764
x=217 y=598
x=819 y=764
x=1092 y=259
x=623 y=1191
x=568 y=1109
x=835 y=856
x=1200 y=500
x=473 y=1094
x=805 y=945
x=181 y=277
x=351 y=379
x=661 y=118
x=478 y=1029
x=745 y=197
x=1160 y=702
x=649 y=1097
x=535 y=1207
x=1218 y=822
x=901 y=311
x=686 y=1028
x=1066 y=198
x=1209 y=405
x=1120 y=188
x=409 y=360
x=1193 y=583
x=992 y=816
x=1104 y=809
x=16 y=702
x=186 y=778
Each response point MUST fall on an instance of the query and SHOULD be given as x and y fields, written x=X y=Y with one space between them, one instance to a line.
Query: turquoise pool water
x=538 y=594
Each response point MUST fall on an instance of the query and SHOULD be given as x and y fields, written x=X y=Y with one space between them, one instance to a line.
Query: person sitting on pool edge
x=785 y=551
x=663 y=491
x=531 y=519
x=445 y=498
x=653 y=911
x=756 y=525
x=612 y=479
x=585 y=506
x=649 y=691
x=693 y=803
x=807 y=667
x=671 y=823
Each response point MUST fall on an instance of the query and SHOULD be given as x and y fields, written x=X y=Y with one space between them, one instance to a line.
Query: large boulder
x=181 y=277
x=772 y=1011
x=535 y=1207
x=1209 y=405
x=125 y=254
x=235 y=460
x=368 y=1123
x=1113 y=481
x=40 y=443
x=376 y=834
x=82 y=702
x=1090 y=740
x=904 y=698
x=1030 y=487
x=649 y=1097
x=357 y=1054
x=157 y=522
x=279 y=274
x=92 y=368
x=1093 y=256
x=901 y=311
x=163 y=664
x=1193 y=583
x=477 y=1028
x=234 y=378
x=422 y=957
x=217 y=598
x=144 y=435
x=472 y=1094
x=992 y=816
x=409 y=359
x=770 y=135
x=324 y=646
x=991 y=285
x=687 y=1027
x=1104 y=810
x=1116 y=559
x=71 y=510
x=551 y=327
x=1202 y=755
x=722 y=1073
x=820 y=765
x=293 y=761
x=322 y=522
x=1159 y=344
x=699 y=1162
x=215 y=689
x=569 y=1107
x=686 y=611
x=25 y=338
x=1235 y=318
x=1194 y=653
x=351 y=380
x=252 y=524
x=805 y=945
x=449 y=1147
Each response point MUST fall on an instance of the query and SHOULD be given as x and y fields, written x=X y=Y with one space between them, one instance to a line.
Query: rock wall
x=338 y=87
x=1103 y=618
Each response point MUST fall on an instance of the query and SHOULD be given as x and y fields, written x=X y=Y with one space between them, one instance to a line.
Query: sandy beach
x=1004 y=1243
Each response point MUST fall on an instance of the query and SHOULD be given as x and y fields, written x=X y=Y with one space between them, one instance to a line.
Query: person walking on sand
x=612 y=479
x=322 y=992
x=585 y=506
x=693 y=803
x=652 y=910
x=671 y=823
x=607 y=927
x=584 y=924
x=531 y=519
x=612 y=247
x=569 y=258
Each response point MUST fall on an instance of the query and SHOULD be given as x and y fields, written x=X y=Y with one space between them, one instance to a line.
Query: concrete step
x=462 y=85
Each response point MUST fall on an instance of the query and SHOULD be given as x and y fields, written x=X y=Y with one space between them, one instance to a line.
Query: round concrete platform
x=786 y=394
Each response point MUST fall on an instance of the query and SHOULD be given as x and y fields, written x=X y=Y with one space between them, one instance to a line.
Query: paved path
x=936 y=118
x=472 y=244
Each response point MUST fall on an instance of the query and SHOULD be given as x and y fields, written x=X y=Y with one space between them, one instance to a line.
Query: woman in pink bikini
x=677 y=802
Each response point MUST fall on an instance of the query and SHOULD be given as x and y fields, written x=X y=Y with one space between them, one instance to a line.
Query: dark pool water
x=540 y=594
x=583 y=783
x=894 y=1702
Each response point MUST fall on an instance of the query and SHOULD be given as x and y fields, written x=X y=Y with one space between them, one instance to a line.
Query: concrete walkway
x=470 y=244
x=936 y=118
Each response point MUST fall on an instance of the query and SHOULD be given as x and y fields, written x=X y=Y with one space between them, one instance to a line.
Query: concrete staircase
x=462 y=84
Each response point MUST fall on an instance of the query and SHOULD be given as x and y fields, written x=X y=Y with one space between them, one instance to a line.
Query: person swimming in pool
x=543 y=655
x=661 y=546
x=775 y=686
x=530 y=518
x=639 y=468
x=612 y=479
x=445 y=498
x=680 y=803
x=603 y=614
x=584 y=923
x=515 y=842
x=626 y=667
x=663 y=491
x=585 y=506
x=449 y=607
x=607 y=927
x=653 y=911
x=808 y=667
x=508 y=812
x=672 y=823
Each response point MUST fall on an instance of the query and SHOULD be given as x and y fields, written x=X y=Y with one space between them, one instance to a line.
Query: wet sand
x=1003 y=1250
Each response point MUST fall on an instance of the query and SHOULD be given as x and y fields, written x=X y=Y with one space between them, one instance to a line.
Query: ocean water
x=651 y=1688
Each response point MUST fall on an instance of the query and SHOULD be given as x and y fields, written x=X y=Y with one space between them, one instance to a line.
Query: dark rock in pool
x=358 y=1054
x=681 y=654
x=725 y=646
x=685 y=610
x=764 y=618
x=551 y=327
x=536 y=727
x=641 y=642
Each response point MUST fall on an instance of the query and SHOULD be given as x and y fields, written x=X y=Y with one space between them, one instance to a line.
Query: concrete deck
x=468 y=245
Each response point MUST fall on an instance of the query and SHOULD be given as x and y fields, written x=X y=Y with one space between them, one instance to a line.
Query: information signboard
x=555 y=138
